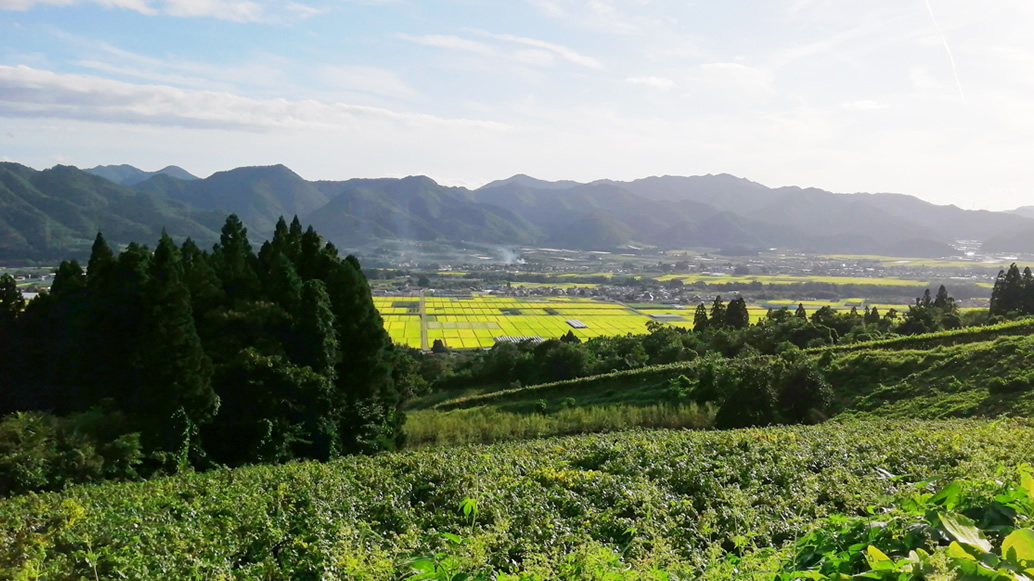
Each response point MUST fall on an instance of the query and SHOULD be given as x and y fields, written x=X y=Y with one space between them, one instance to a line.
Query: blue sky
x=927 y=98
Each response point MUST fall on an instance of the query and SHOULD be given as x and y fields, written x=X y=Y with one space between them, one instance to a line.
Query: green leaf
x=1018 y=547
x=948 y=497
x=422 y=565
x=877 y=559
x=469 y=507
x=454 y=538
x=964 y=530
x=1027 y=482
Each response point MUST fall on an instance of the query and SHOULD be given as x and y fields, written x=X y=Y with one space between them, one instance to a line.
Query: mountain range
x=56 y=212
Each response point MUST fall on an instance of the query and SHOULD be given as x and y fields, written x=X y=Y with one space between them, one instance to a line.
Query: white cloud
x=232 y=10
x=450 y=42
x=659 y=83
x=364 y=79
x=32 y=93
x=542 y=53
x=561 y=50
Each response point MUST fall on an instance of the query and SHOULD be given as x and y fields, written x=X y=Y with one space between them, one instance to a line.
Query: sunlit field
x=791 y=279
x=469 y=323
x=475 y=322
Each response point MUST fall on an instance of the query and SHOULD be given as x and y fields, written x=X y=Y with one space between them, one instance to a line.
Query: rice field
x=791 y=279
x=474 y=322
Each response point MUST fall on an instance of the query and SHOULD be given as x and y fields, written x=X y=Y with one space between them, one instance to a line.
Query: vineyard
x=634 y=505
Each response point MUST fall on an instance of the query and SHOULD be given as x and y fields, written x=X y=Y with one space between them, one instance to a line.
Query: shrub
x=40 y=452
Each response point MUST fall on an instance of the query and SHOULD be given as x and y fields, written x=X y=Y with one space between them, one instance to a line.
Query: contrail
x=947 y=49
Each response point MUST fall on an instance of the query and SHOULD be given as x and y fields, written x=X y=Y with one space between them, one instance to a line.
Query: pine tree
x=101 y=268
x=736 y=314
x=235 y=261
x=717 y=312
x=205 y=288
x=363 y=374
x=318 y=343
x=11 y=305
x=872 y=316
x=944 y=302
x=173 y=393
x=700 y=320
x=283 y=284
x=68 y=280
x=1008 y=293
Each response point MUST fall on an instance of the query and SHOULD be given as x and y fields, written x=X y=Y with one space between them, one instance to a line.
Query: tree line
x=196 y=358
x=724 y=329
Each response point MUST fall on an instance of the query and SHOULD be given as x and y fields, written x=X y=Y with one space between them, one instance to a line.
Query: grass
x=698 y=505
x=489 y=425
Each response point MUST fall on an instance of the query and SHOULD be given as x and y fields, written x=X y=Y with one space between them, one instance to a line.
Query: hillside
x=56 y=213
x=415 y=208
x=702 y=505
x=978 y=372
x=669 y=212
x=258 y=195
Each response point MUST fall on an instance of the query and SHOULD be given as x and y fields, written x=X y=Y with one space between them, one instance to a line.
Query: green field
x=794 y=279
x=469 y=323
x=927 y=262
x=472 y=323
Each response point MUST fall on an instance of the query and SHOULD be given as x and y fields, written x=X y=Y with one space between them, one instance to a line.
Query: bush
x=40 y=452
x=999 y=385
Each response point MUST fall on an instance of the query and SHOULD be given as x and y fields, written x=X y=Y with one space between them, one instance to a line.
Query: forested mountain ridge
x=712 y=211
x=57 y=212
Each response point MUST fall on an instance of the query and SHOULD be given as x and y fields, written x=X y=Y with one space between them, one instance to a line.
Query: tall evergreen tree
x=69 y=279
x=235 y=261
x=1007 y=295
x=717 y=312
x=283 y=284
x=944 y=302
x=700 y=320
x=318 y=345
x=101 y=268
x=736 y=314
x=11 y=305
x=800 y=313
x=11 y=302
x=173 y=393
x=205 y=288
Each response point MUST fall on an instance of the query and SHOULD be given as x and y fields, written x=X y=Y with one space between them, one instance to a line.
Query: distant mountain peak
x=128 y=175
x=528 y=181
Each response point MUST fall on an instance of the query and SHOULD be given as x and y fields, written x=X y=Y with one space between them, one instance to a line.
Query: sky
x=926 y=97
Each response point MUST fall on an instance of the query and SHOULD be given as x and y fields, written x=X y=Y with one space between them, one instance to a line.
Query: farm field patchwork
x=475 y=322
x=470 y=323
x=793 y=279
x=928 y=262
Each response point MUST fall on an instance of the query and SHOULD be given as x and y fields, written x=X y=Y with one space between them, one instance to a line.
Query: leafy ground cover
x=635 y=505
x=980 y=372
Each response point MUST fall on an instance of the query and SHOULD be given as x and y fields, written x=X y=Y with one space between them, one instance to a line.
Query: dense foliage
x=716 y=505
x=224 y=357
x=1013 y=293
x=978 y=372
